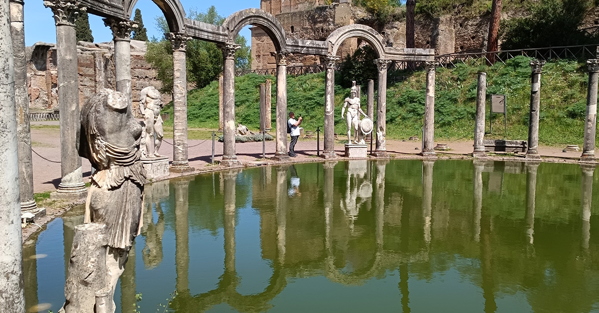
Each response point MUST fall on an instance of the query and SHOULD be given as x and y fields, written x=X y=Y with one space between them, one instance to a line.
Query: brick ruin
x=96 y=71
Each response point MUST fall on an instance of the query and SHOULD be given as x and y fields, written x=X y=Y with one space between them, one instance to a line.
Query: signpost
x=498 y=106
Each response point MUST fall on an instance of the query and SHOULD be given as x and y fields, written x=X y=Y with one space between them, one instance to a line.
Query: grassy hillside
x=563 y=102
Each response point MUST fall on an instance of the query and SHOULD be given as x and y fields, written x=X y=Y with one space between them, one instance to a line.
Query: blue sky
x=39 y=23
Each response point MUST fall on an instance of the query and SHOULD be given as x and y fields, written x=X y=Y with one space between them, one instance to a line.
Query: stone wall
x=96 y=71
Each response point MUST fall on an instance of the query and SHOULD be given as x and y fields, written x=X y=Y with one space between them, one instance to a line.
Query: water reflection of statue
x=353 y=116
x=294 y=184
x=358 y=187
x=154 y=232
x=150 y=106
x=110 y=139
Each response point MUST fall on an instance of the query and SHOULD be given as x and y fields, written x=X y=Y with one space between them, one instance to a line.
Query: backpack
x=288 y=127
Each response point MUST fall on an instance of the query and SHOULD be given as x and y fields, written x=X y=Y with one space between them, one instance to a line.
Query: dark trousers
x=292 y=145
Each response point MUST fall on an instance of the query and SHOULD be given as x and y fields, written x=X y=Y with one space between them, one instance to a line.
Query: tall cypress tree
x=82 y=29
x=141 y=32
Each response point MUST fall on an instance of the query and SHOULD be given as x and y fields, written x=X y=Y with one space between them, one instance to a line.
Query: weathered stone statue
x=150 y=106
x=110 y=139
x=354 y=110
x=242 y=130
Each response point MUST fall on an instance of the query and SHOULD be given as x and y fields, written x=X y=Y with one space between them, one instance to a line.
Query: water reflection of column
x=487 y=265
x=30 y=274
x=587 y=199
x=281 y=212
x=478 y=197
x=427 y=197
x=182 y=234
x=531 y=191
x=68 y=230
x=329 y=185
x=229 y=191
x=128 y=302
x=380 y=202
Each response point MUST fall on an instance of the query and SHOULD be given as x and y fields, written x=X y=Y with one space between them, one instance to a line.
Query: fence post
x=264 y=144
x=318 y=141
x=213 y=136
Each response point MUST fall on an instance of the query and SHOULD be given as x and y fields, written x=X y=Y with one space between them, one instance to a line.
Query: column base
x=230 y=161
x=533 y=156
x=69 y=193
x=380 y=154
x=282 y=157
x=479 y=154
x=28 y=206
x=181 y=169
x=327 y=155
x=428 y=154
x=588 y=157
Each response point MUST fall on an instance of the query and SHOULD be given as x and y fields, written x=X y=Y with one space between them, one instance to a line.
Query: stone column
x=229 y=154
x=182 y=235
x=381 y=116
x=180 y=153
x=229 y=227
x=531 y=192
x=12 y=298
x=535 y=108
x=220 y=103
x=281 y=212
x=329 y=109
x=479 y=131
x=587 y=200
x=281 y=153
x=429 y=111
x=65 y=14
x=370 y=108
x=478 y=197
x=590 y=129
x=121 y=32
x=427 y=198
x=22 y=104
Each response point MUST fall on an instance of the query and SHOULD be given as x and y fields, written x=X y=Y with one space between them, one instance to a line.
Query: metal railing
x=45 y=116
x=294 y=70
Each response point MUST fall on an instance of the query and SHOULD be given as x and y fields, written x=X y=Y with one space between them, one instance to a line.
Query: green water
x=399 y=236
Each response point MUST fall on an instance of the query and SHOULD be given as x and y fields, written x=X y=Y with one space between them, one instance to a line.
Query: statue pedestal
x=354 y=151
x=156 y=167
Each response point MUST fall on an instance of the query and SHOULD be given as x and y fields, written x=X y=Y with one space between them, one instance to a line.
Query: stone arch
x=237 y=21
x=356 y=31
x=173 y=12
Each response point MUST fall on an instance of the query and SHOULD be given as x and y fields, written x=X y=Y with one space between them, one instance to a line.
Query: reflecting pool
x=384 y=236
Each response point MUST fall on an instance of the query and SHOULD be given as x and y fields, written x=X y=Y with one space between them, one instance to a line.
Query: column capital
x=593 y=65
x=65 y=12
x=331 y=61
x=178 y=40
x=121 y=28
x=280 y=57
x=537 y=66
x=431 y=66
x=382 y=64
x=21 y=2
x=229 y=50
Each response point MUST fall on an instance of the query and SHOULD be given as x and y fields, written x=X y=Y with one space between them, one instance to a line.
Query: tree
x=82 y=29
x=141 y=33
x=410 y=27
x=493 y=42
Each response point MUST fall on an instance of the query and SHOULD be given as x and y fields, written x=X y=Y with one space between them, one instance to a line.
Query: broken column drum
x=281 y=137
x=12 y=298
x=535 y=107
x=180 y=145
x=479 y=132
x=590 y=129
x=229 y=152
x=121 y=32
x=17 y=28
x=381 y=119
x=329 y=109
x=429 y=111
x=110 y=139
x=65 y=15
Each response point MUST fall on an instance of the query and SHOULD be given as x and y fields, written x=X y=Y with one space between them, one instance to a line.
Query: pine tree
x=141 y=32
x=82 y=29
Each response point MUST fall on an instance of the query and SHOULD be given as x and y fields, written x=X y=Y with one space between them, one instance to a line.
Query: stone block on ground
x=156 y=167
x=513 y=146
x=356 y=151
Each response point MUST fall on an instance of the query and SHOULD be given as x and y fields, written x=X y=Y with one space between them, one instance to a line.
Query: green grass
x=563 y=102
x=39 y=197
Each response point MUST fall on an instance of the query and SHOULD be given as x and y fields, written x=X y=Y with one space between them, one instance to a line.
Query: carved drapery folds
x=229 y=50
x=178 y=40
x=382 y=64
x=65 y=12
x=121 y=29
x=593 y=65
x=537 y=66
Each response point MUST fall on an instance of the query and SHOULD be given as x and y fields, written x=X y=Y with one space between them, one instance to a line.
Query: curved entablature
x=205 y=31
x=256 y=17
x=307 y=46
x=356 y=31
x=172 y=9
x=105 y=8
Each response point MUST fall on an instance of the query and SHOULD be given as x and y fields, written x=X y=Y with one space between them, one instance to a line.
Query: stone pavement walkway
x=46 y=157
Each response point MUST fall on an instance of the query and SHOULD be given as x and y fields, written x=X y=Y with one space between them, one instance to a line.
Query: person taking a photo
x=294 y=131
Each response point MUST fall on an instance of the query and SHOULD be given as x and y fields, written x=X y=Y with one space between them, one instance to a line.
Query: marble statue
x=352 y=105
x=242 y=130
x=110 y=139
x=150 y=106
